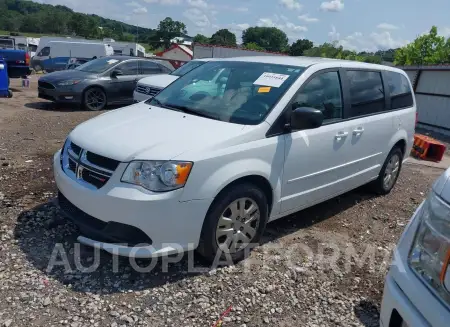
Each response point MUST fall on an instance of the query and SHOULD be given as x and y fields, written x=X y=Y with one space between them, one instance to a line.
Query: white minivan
x=417 y=288
x=209 y=170
x=56 y=54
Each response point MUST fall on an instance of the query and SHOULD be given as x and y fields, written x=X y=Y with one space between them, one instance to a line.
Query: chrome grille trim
x=149 y=90
x=70 y=159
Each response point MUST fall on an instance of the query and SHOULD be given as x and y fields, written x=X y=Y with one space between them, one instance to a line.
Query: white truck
x=57 y=54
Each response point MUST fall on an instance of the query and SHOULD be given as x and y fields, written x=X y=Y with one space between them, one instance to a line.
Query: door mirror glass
x=306 y=118
x=116 y=72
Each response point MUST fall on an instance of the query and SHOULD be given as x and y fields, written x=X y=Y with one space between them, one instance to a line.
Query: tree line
x=27 y=16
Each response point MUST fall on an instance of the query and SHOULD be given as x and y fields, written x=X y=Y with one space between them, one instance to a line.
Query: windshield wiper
x=190 y=111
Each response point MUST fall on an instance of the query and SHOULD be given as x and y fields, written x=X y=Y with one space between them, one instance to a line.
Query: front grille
x=87 y=168
x=45 y=85
x=75 y=148
x=149 y=90
x=101 y=161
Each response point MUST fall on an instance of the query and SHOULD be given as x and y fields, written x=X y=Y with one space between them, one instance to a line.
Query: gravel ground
x=324 y=266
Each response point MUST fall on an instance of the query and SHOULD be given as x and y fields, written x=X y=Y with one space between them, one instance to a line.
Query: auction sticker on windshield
x=112 y=61
x=271 y=79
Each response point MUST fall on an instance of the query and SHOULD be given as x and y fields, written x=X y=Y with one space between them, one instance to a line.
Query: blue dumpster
x=5 y=92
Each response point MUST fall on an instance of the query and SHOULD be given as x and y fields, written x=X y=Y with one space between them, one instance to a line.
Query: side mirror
x=116 y=72
x=306 y=118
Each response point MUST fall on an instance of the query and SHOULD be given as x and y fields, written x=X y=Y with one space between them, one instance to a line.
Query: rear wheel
x=389 y=172
x=234 y=223
x=94 y=99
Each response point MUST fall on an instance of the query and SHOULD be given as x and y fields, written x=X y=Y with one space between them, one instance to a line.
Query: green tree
x=166 y=31
x=269 y=38
x=253 y=46
x=200 y=38
x=426 y=49
x=223 y=37
x=298 y=47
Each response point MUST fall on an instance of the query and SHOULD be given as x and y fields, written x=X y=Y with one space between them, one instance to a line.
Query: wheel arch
x=258 y=180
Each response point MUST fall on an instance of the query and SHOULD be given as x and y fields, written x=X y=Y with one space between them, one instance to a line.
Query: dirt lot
x=304 y=274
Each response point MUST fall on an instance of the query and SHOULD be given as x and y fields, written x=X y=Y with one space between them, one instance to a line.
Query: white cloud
x=333 y=5
x=372 y=42
x=140 y=10
x=242 y=27
x=291 y=4
x=333 y=34
x=305 y=18
x=164 y=2
x=286 y=26
x=296 y=28
x=197 y=17
x=197 y=3
x=133 y=4
x=386 y=26
x=444 y=31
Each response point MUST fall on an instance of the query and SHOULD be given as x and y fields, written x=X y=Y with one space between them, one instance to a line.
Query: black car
x=99 y=82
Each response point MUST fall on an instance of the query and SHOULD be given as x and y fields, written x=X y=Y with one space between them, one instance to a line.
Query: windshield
x=236 y=92
x=186 y=68
x=98 y=66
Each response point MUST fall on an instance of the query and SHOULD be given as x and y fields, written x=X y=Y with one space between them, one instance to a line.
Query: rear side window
x=148 y=67
x=401 y=94
x=129 y=68
x=366 y=92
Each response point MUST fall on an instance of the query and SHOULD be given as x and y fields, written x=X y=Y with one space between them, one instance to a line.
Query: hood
x=146 y=132
x=65 y=75
x=159 y=81
x=442 y=186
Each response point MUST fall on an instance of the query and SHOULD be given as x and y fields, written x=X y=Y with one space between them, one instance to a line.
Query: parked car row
x=100 y=82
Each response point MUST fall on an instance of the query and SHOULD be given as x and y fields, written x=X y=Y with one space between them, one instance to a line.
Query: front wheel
x=389 y=172
x=234 y=223
x=94 y=99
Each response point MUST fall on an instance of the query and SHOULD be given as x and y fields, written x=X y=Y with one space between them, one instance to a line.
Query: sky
x=360 y=25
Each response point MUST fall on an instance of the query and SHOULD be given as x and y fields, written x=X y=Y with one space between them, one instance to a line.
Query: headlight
x=430 y=253
x=158 y=176
x=69 y=82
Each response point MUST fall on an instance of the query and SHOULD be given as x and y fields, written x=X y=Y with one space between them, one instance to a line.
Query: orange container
x=427 y=148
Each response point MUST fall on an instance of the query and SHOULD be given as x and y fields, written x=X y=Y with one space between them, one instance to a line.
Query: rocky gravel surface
x=324 y=266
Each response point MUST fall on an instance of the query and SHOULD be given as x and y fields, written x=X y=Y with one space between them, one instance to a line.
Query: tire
x=392 y=167
x=94 y=99
x=10 y=94
x=233 y=227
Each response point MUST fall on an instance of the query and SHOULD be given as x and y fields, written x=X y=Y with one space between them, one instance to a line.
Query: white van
x=150 y=86
x=417 y=288
x=56 y=54
x=209 y=170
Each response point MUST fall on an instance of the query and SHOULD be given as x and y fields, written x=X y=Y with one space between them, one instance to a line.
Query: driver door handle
x=358 y=131
x=340 y=135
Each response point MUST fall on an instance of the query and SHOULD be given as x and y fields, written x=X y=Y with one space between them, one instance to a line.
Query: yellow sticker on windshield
x=265 y=89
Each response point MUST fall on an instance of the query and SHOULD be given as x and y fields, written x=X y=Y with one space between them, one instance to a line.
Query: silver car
x=100 y=82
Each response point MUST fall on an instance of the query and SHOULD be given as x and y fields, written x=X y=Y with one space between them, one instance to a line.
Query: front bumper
x=139 y=97
x=60 y=95
x=173 y=226
x=406 y=294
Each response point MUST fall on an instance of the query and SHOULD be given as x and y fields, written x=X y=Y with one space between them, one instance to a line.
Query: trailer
x=215 y=51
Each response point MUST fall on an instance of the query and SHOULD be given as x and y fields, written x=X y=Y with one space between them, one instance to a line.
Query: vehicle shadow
x=51 y=106
x=50 y=244
x=315 y=214
x=367 y=313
